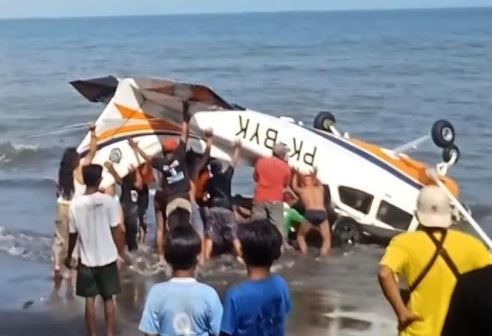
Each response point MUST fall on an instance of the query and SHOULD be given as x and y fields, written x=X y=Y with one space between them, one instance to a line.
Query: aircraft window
x=394 y=216
x=356 y=199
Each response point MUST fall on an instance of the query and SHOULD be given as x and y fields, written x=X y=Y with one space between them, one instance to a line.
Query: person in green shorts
x=292 y=217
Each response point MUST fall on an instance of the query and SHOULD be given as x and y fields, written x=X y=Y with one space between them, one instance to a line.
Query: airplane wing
x=102 y=89
x=147 y=109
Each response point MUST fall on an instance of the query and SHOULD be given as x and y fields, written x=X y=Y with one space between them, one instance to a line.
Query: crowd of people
x=182 y=305
x=197 y=217
x=195 y=189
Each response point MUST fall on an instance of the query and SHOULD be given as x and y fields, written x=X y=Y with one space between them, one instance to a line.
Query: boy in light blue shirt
x=260 y=305
x=182 y=306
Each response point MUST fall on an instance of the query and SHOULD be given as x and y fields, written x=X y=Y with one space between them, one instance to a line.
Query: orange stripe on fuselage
x=128 y=113
x=145 y=124
x=413 y=168
x=144 y=128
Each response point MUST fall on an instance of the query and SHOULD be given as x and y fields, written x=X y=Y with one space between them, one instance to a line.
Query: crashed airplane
x=373 y=189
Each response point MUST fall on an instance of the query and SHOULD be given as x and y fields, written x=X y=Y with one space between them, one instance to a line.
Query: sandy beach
x=34 y=303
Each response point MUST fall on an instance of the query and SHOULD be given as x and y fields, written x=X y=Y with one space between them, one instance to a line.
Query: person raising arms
x=175 y=183
x=195 y=164
x=147 y=174
x=131 y=184
x=312 y=194
x=221 y=222
x=70 y=184
x=272 y=175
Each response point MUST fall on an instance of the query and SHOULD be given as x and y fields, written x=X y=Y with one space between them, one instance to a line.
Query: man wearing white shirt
x=95 y=221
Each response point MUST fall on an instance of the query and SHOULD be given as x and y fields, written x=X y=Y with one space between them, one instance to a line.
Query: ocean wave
x=482 y=213
x=12 y=155
x=144 y=262
x=41 y=183
x=26 y=245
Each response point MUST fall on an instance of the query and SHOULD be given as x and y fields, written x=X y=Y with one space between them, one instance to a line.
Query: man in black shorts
x=95 y=221
x=312 y=194
x=175 y=181
x=221 y=223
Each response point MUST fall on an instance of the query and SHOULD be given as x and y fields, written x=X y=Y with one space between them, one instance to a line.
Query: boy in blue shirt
x=182 y=306
x=258 y=306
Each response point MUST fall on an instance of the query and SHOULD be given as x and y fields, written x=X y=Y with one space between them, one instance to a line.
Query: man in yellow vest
x=430 y=260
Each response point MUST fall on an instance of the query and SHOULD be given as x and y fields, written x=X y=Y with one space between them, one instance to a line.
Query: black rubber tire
x=324 y=120
x=347 y=232
x=448 y=152
x=443 y=133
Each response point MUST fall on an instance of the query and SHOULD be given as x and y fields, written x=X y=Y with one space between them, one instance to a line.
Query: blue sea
x=386 y=75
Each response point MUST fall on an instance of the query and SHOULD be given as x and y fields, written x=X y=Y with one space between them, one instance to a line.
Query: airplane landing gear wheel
x=324 y=120
x=347 y=232
x=443 y=133
x=449 y=152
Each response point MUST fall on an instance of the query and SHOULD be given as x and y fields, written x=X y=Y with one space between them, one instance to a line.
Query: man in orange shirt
x=272 y=175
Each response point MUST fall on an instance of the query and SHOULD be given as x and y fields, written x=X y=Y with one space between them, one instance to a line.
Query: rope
x=66 y=129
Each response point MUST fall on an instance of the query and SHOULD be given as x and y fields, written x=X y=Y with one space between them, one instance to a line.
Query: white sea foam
x=25 y=245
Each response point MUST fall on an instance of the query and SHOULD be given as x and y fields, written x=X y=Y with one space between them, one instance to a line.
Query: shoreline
x=325 y=305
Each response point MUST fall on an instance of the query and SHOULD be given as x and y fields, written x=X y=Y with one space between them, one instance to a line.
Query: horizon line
x=286 y=11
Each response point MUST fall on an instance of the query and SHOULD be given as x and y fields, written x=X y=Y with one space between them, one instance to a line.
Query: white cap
x=433 y=208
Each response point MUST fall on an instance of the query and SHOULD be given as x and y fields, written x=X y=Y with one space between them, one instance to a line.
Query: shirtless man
x=311 y=192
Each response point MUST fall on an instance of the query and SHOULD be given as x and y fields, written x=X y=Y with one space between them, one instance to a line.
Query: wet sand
x=330 y=296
